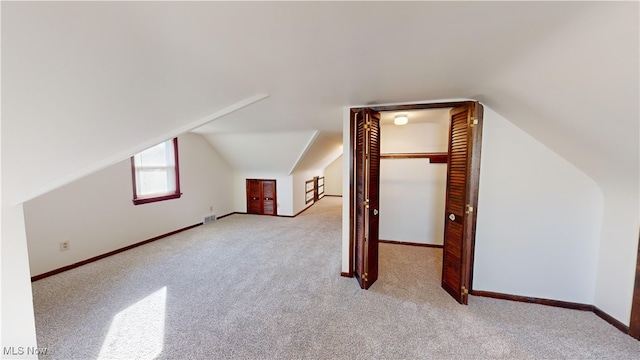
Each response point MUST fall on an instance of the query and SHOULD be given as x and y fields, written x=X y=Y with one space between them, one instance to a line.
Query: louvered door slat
x=374 y=189
x=367 y=174
x=360 y=191
x=452 y=262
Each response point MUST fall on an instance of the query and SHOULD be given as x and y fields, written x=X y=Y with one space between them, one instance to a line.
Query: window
x=155 y=173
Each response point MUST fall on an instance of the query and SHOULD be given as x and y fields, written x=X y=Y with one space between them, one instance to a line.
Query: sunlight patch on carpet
x=137 y=332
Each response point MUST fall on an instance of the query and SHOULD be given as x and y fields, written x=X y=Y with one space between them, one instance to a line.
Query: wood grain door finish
x=367 y=186
x=461 y=200
x=261 y=197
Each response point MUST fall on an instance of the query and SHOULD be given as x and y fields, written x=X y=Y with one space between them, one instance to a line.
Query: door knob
x=452 y=217
x=375 y=211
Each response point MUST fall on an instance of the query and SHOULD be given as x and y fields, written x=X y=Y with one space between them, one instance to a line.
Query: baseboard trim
x=410 y=243
x=301 y=211
x=611 y=320
x=307 y=208
x=278 y=215
x=533 y=300
x=556 y=303
x=346 y=274
x=96 y=258
x=334 y=195
x=225 y=215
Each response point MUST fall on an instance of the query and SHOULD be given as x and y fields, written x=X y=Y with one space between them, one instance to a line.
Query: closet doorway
x=463 y=168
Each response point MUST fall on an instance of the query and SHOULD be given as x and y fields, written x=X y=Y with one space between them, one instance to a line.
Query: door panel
x=261 y=197
x=269 y=197
x=359 y=219
x=367 y=174
x=254 y=196
x=465 y=144
x=373 y=195
x=462 y=174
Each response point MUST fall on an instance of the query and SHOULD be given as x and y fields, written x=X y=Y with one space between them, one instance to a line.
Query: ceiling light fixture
x=401 y=120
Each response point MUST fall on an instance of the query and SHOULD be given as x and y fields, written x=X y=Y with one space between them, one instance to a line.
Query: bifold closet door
x=462 y=197
x=367 y=188
x=261 y=197
x=254 y=196
x=268 y=197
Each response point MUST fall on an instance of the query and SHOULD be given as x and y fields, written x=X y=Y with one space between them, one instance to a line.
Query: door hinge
x=367 y=125
x=473 y=121
x=469 y=209
x=364 y=276
x=464 y=291
x=366 y=203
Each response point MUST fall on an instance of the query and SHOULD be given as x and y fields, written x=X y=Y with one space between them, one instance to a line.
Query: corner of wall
x=346 y=156
x=18 y=322
x=617 y=258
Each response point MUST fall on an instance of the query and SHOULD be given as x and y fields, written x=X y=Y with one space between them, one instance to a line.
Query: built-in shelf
x=434 y=158
x=308 y=188
x=314 y=189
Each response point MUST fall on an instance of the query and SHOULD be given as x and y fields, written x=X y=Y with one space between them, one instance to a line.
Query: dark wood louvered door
x=461 y=201
x=269 y=197
x=367 y=185
x=261 y=197
x=254 y=196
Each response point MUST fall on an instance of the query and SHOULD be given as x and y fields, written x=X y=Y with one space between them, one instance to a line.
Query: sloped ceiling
x=325 y=148
x=82 y=81
x=276 y=152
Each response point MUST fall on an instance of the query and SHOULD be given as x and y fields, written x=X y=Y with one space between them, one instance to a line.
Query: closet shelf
x=434 y=157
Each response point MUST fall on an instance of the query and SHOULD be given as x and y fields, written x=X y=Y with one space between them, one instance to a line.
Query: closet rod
x=434 y=158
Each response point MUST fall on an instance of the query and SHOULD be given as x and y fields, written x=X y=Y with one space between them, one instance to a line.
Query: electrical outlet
x=64 y=246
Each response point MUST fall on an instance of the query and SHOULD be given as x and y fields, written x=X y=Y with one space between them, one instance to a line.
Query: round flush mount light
x=401 y=120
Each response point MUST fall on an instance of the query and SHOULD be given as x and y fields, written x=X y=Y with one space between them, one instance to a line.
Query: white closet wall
x=413 y=191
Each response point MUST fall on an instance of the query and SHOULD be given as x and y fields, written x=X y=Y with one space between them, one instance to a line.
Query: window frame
x=139 y=200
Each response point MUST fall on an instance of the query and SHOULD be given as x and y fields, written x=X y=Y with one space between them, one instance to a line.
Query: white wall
x=539 y=219
x=96 y=214
x=333 y=178
x=346 y=183
x=18 y=323
x=618 y=248
x=299 y=179
x=413 y=191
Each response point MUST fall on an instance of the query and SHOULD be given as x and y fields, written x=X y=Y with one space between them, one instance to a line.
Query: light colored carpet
x=260 y=287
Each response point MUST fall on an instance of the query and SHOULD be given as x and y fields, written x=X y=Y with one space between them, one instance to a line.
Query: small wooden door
x=367 y=185
x=261 y=197
x=462 y=190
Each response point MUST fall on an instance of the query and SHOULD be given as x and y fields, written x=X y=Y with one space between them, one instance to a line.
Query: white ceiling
x=267 y=152
x=82 y=81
